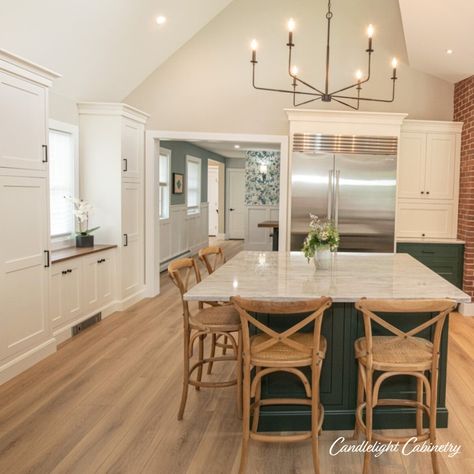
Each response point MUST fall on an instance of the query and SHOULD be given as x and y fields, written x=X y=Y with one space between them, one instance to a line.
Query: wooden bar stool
x=212 y=257
x=214 y=320
x=289 y=351
x=399 y=354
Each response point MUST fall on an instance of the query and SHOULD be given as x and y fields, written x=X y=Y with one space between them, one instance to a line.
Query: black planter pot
x=84 y=241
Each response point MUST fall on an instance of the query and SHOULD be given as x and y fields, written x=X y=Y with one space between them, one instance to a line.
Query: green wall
x=179 y=150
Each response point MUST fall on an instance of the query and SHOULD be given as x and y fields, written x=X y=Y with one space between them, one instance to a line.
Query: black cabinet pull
x=64 y=272
x=422 y=192
x=125 y=236
x=231 y=209
x=47 y=259
x=427 y=192
x=427 y=251
x=102 y=260
x=125 y=161
x=45 y=153
x=423 y=235
x=69 y=270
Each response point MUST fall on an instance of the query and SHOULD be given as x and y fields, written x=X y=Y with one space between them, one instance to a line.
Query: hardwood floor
x=107 y=402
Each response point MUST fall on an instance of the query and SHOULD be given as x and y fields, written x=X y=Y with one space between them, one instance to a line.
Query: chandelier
x=351 y=93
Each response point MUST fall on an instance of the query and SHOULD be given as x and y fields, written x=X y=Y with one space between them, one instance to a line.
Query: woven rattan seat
x=390 y=352
x=225 y=317
x=281 y=352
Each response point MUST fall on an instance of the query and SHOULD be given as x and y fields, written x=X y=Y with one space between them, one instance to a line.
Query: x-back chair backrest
x=180 y=272
x=315 y=307
x=212 y=257
x=370 y=308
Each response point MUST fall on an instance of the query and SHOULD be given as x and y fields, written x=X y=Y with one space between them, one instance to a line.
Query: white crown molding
x=112 y=108
x=27 y=69
x=431 y=126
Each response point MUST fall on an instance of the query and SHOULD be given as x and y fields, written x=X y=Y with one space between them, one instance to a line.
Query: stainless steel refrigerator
x=350 y=180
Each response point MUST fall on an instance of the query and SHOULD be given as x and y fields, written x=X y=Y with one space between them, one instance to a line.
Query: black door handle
x=47 y=259
x=125 y=236
x=126 y=164
x=45 y=156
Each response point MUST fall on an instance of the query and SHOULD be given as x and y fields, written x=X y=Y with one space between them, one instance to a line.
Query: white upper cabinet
x=441 y=165
x=133 y=134
x=411 y=169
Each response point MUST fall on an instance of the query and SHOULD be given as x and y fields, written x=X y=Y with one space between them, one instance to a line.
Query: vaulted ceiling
x=102 y=48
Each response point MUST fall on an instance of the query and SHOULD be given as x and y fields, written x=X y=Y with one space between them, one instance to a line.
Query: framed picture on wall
x=178 y=183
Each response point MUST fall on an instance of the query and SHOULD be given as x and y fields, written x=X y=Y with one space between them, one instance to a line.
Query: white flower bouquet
x=322 y=234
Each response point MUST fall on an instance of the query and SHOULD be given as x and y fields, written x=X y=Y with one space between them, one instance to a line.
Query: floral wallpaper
x=262 y=178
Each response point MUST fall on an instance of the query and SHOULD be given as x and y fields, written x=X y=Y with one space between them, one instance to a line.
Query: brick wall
x=464 y=112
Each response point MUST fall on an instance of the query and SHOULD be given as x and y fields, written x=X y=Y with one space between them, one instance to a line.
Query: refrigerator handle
x=336 y=199
x=330 y=194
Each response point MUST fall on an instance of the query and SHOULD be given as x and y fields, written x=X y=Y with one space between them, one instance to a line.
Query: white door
x=132 y=265
x=23 y=135
x=440 y=165
x=411 y=166
x=213 y=199
x=132 y=148
x=24 y=272
x=236 y=203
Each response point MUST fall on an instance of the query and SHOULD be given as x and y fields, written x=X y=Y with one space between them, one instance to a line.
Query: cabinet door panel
x=440 y=165
x=91 y=297
x=132 y=148
x=106 y=279
x=23 y=117
x=411 y=167
x=424 y=219
x=23 y=276
x=132 y=265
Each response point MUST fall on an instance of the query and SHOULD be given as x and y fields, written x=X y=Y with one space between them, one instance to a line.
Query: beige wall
x=62 y=108
x=205 y=86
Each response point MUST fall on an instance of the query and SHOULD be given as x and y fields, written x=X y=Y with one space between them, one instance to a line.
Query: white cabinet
x=23 y=119
x=98 y=280
x=428 y=180
x=66 y=292
x=23 y=262
x=112 y=165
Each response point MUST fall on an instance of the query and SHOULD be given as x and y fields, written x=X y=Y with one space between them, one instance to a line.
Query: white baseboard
x=466 y=309
x=26 y=360
x=122 y=305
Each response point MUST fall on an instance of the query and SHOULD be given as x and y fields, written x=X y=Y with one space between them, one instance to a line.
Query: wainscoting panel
x=258 y=238
x=183 y=234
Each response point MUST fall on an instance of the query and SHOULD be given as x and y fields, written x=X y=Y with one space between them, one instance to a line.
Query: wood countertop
x=74 y=252
x=271 y=224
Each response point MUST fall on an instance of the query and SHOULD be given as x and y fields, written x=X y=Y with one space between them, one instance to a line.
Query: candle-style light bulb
x=254 y=46
x=394 y=63
x=294 y=70
x=370 y=31
x=291 y=28
x=358 y=75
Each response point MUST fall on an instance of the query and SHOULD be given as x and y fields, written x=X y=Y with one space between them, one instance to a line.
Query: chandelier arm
x=368 y=99
x=296 y=77
x=268 y=89
x=348 y=105
x=305 y=102
x=367 y=79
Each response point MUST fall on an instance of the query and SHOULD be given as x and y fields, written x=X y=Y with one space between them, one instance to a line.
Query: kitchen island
x=287 y=276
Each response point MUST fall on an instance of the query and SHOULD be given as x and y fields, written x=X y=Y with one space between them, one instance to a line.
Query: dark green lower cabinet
x=445 y=259
x=342 y=325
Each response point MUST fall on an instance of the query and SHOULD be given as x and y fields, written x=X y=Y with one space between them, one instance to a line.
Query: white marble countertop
x=430 y=241
x=288 y=276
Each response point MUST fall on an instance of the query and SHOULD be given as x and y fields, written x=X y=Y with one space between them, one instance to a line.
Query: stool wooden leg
x=360 y=400
x=245 y=419
x=201 y=358
x=433 y=409
x=239 y=375
x=224 y=349
x=368 y=419
x=258 y=394
x=184 y=394
x=419 y=410
x=315 y=414
x=213 y=353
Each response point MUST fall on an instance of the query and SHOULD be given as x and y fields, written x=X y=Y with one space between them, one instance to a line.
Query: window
x=193 y=184
x=164 y=198
x=62 y=178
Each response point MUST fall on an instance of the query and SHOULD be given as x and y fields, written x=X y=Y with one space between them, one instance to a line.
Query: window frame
x=165 y=152
x=193 y=210
x=65 y=240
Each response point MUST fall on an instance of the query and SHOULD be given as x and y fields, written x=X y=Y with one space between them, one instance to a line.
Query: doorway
x=236 y=203
x=213 y=197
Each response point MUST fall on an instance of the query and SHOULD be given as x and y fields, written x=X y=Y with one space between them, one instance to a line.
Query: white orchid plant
x=82 y=210
x=321 y=234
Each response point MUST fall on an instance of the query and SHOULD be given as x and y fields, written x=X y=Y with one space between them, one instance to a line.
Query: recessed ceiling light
x=236 y=147
x=161 y=20
x=449 y=51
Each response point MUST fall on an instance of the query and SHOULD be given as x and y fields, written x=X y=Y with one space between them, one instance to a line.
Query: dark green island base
x=342 y=325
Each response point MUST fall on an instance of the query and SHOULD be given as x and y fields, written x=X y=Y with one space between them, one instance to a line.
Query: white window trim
x=167 y=152
x=62 y=241
x=193 y=210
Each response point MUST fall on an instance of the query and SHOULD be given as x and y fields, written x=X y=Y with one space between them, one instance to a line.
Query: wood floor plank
x=107 y=402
